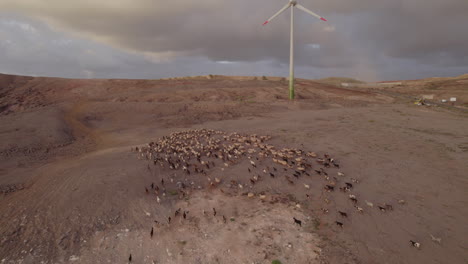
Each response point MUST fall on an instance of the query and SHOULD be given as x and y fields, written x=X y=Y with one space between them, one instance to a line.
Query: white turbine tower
x=291 y=5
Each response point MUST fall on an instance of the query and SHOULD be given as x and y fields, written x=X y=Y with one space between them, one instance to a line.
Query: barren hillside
x=217 y=169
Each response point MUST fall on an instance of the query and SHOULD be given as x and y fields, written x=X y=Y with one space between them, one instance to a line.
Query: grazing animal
x=248 y=169
x=130 y=258
x=151 y=233
x=339 y=224
x=152 y=185
x=354 y=180
x=343 y=214
x=415 y=244
x=359 y=209
x=349 y=185
x=177 y=212
x=369 y=204
x=435 y=239
x=381 y=208
x=185 y=214
x=289 y=179
x=169 y=219
x=253 y=164
x=214 y=211
x=297 y=221
x=344 y=189
x=224 y=219
x=272 y=175
x=324 y=172
x=146 y=189
x=329 y=188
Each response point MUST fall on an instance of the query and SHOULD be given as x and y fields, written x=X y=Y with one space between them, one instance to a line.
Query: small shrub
x=276 y=262
x=240 y=98
x=264 y=78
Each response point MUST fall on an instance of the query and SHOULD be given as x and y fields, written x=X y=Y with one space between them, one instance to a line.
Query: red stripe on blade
x=266 y=22
x=323 y=19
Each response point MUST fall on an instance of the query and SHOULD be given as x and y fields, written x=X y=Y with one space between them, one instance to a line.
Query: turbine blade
x=279 y=12
x=310 y=12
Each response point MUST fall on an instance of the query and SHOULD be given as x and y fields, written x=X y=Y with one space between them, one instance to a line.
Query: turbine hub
x=293 y=3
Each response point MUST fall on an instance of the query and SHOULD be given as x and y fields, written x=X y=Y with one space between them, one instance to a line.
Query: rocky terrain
x=340 y=175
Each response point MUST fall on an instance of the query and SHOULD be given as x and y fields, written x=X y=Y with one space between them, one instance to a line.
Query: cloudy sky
x=364 y=39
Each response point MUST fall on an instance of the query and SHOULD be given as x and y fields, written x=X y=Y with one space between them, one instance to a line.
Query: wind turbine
x=291 y=5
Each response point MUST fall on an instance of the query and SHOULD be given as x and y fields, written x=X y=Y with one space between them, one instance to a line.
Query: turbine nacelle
x=292 y=4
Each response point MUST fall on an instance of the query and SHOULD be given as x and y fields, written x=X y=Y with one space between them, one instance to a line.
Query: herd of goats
x=188 y=158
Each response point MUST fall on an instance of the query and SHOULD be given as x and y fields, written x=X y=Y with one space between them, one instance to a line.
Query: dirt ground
x=72 y=191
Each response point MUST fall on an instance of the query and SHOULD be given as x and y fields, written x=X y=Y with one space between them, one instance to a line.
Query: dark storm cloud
x=230 y=30
x=32 y=48
x=430 y=32
x=362 y=34
x=218 y=30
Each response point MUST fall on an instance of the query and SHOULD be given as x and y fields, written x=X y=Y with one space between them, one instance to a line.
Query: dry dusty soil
x=73 y=188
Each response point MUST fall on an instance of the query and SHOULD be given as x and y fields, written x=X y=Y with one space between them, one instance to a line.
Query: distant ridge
x=337 y=81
